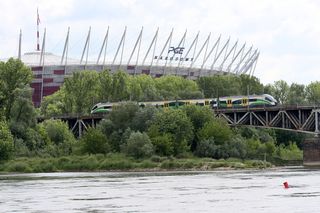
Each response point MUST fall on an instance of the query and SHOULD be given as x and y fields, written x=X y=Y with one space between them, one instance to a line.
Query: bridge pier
x=311 y=151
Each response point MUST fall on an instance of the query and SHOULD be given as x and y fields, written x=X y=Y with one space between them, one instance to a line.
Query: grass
x=120 y=162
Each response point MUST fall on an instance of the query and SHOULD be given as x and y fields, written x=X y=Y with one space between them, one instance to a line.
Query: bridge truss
x=295 y=118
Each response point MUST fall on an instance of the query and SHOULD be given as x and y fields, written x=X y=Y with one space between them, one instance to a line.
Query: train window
x=252 y=99
x=172 y=104
x=237 y=102
x=188 y=103
x=229 y=101
x=206 y=102
x=268 y=99
x=95 y=107
x=166 y=105
x=180 y=103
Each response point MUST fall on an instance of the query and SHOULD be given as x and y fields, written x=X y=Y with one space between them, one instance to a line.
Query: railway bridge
x=293 y=118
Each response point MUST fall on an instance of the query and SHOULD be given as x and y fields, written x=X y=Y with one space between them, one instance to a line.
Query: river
x=217 y=191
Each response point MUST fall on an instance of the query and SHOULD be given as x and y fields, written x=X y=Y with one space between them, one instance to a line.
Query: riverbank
x=118 y=162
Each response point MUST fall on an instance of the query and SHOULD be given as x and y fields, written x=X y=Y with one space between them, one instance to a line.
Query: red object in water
x=286 y=185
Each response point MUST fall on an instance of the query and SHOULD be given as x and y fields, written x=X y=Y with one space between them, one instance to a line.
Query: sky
x=286 y=32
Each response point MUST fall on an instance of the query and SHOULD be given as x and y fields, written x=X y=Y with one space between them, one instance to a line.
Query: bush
x=6 y=142
x=58 y=132
x=139 y=145
x=59 y=135
x=206 y=148
x=163 y=144
x=218 y=129
x=175 y=123
x=94 y=141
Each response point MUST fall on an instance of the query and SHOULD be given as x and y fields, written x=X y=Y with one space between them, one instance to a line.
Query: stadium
x=189 y=56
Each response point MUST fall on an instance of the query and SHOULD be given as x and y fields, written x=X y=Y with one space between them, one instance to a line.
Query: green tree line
x=134 y=131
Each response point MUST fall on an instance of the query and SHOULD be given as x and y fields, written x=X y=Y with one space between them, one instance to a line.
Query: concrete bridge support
x=311 y=151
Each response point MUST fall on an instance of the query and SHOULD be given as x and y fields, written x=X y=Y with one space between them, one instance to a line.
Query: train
x=264 y=100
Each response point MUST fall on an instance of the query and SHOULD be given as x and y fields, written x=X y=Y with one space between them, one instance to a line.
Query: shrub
x=94 y=141
x=176 y=123
x=58 y=133
x=206 y=148
x=163 y=144
x=139 y=145
x=6 y=142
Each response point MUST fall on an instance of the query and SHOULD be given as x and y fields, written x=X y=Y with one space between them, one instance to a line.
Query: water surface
x=217 y=191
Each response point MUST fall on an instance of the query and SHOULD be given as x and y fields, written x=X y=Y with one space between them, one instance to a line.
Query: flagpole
x=38 y=39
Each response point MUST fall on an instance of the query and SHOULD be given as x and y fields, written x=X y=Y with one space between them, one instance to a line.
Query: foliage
x=176 y=123
x=120 y=86
x=289 y=152
x=139 y=145
x=123 y=114
x=142 y=118
x=6 y=142
x=106 y=127
x=297 y=94
x=163 y=144
x=234 y=147
x=217 y=129
x=313 y=92
x=59 y=136
x=105 y=86
x=198 y=115
x=80 y=90
x=94 y=142
x=13 y=75
x=53 y=105
x=175 y=87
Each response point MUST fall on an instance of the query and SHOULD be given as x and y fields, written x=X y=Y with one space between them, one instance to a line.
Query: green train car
x=244 y=101
x=222 y=102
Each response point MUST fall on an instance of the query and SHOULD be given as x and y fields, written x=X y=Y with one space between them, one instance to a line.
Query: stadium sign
x=175 y=51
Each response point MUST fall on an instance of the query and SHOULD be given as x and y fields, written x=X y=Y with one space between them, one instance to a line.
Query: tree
x=22 y=110
x=313 y=92
x=163 y=144
x=105 y=86
x=296 y=94
x=220 y=85
x=59 y=135
x=250 y=84
x=13 y=75
x=148 y=87
x=198 y=115
x=94 y=142
x=120 y=86
x=217 y=129
x=6 y=142
x=123 y=114
x=142 y=119
x=175 y=87
x=54 y=104
x=176 y=123
x=281 y=91
x=139 y=145
x=80 y=91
